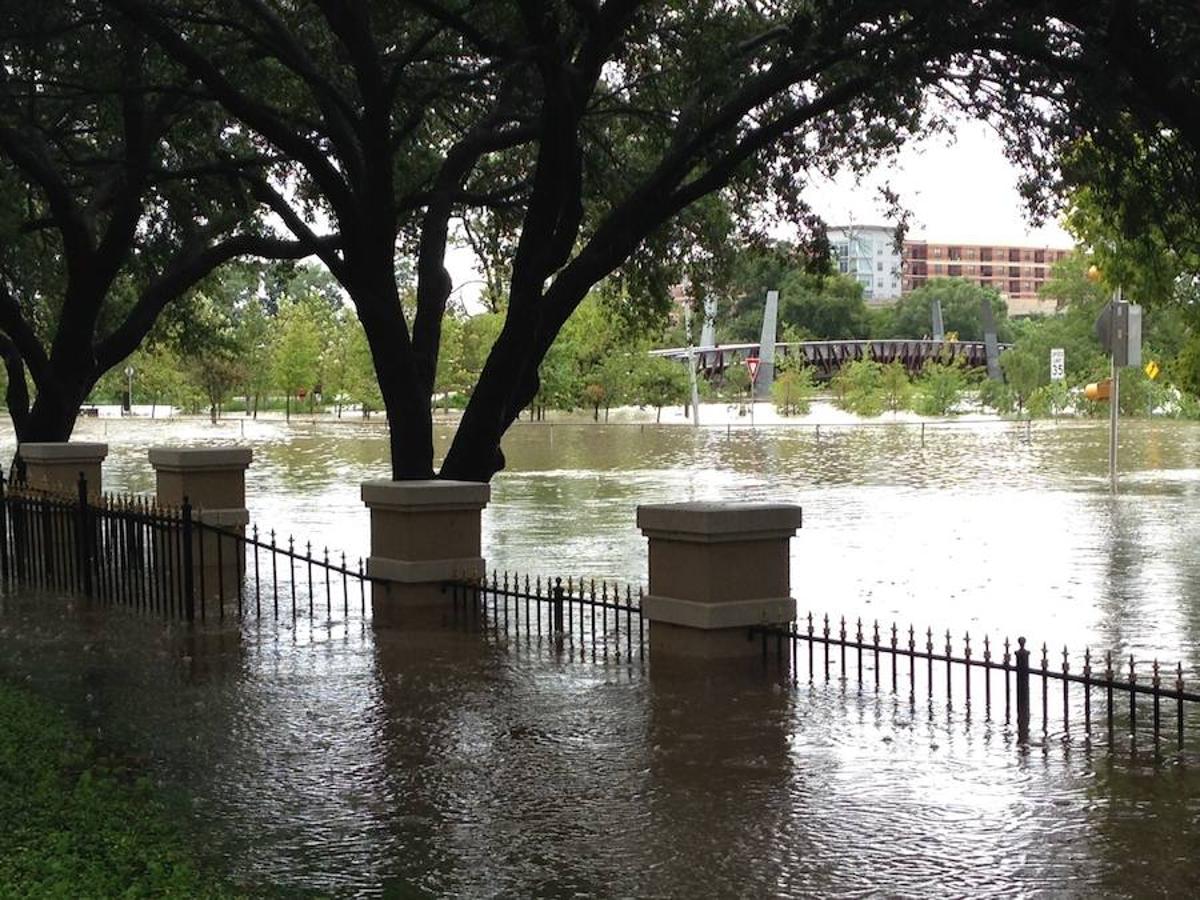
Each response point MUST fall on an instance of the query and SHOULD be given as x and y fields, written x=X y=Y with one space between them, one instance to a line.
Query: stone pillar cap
x=429 y=495
x=715 y=521
x=199 y=458
x=62 y=451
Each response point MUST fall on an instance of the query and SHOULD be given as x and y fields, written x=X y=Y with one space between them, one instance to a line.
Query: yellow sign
x=1152 y=369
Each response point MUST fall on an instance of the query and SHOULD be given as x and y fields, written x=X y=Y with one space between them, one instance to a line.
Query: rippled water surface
x=344 y=761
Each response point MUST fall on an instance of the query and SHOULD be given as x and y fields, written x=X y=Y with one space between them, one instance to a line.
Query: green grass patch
x=74 y=824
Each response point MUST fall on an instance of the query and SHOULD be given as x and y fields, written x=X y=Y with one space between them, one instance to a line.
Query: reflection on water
x=340 y=760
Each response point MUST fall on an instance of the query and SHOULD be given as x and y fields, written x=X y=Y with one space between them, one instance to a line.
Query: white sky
x=959 y=188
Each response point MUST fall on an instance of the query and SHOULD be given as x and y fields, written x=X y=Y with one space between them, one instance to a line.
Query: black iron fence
x=174 y=562
x=1102 y=697
x=585 y=617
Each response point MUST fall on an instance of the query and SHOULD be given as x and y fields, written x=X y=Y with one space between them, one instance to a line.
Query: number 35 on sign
x=1058 y=364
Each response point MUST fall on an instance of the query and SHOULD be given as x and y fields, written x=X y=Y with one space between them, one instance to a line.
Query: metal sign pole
x=1114 y=403
x=1114 y=413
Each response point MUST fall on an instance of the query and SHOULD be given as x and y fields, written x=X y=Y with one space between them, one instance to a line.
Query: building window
x=1014 y=255
x=1014 y=271
x=1039 y=256
x=879 y=267
x=1037 y=286
x=953 y=270
x=985 y=254
x=937 y=268
x=1014 y=287
x=937 y=252
x=955 y=252
x=985 y=270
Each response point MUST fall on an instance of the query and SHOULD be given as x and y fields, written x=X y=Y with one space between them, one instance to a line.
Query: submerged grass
x=73 y=824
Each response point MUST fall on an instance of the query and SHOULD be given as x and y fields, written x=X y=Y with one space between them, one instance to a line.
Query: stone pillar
x=56 y=466
x=715 y=569
x=423 y=534
x=213 y=480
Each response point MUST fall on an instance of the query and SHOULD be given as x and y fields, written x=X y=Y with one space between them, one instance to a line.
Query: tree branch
x=185 y=271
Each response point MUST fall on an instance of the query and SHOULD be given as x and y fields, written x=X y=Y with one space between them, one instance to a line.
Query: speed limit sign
x=1058 y=364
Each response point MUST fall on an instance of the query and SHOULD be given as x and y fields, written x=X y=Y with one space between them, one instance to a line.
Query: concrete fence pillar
x=715 y=570
x=423 y=534
x=213 y=480
x=56 y=466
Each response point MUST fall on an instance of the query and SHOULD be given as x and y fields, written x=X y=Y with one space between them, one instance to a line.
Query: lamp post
x=129 y=389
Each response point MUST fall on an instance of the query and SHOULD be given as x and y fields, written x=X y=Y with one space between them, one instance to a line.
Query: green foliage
x=997 y=395
x=661 y=382
x=812 y=306
x=77 y=825
x=911 y=317
x=1023 y=373
x=735 y=383
x=858 y=387
x=793 y=390
x=940 y=388
x=896 y=387
x=297 y=358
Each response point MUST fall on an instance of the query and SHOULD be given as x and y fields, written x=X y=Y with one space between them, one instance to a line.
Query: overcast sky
x=958 y=188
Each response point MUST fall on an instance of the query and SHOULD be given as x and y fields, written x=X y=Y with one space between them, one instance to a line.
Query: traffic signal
x=1099 y=390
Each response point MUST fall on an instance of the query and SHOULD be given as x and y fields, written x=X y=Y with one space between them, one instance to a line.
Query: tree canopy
x=961 y=303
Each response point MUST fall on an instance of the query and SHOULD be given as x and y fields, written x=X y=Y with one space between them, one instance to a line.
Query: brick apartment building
x=867 y=253
x=1016 y=272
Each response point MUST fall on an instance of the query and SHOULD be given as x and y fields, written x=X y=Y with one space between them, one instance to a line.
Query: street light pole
x=691 y=363
x=129 y=387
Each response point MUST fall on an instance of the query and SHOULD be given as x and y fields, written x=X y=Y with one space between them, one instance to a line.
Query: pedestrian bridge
x=826 y=357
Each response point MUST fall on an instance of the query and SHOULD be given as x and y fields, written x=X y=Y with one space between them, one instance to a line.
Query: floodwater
x=341 y=761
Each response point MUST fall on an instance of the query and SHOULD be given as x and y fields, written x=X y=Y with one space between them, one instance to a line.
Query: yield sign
x=752 y=366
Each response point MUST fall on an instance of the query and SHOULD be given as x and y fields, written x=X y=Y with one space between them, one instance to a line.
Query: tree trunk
x=658 y=415
x=287 y=407
x=54 y=412
x=595 y=412
x=17 y=392
x=407 y=394
x=410 y=436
